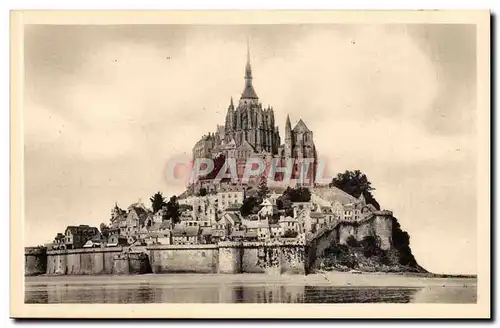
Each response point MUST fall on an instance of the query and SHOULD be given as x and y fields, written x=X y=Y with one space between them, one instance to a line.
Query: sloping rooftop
x=185 y=231
x=317 y=215
x=234 y=217
x=249 y=92
x=333 y=194
x=301 y=127
x=207 y=232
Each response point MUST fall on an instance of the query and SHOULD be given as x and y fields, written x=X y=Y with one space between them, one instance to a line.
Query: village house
x=221 y=229
x=158 y=238
x=289 y=226
x=185 y=235
x=58 y=242
x=352 y=212
x=234 y=220
x=328 y=212
x=118 y=218
x=275 y=230
x=136 y=218
x=234 y=208
x=97 y=241
x=318 y=221
x=77 y=236
x=227 y=199
x=299 y=207
x=263 y=230
x=206 y=235
x=251 y=236
x=259 y=228
x=267 y=209
x=115 y=239
x=238 y=235
x=204 y=207
x=338 y=210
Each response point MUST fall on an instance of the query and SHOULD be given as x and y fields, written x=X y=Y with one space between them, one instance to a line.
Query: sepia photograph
x=225 y=164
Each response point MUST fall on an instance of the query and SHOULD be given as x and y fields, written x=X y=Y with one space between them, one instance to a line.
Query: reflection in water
x=228 y=293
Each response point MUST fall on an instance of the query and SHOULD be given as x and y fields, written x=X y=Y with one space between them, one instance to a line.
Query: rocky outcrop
x=375 y=243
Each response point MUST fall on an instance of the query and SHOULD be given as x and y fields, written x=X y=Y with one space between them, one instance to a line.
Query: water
x=154 y=290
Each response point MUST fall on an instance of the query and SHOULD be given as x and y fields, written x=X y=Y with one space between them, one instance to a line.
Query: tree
x=104 y=230
x=351 y=241
x=284 y=203
x=157 y=201
x=355 y=183
x=263 y=191
x=298 y=194
x=370 y=247
x=173 y=211
x=250 y=206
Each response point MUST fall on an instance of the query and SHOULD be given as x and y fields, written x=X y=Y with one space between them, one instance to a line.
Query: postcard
x=250 y=164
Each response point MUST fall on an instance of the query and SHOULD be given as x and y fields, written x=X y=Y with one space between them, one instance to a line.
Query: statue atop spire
x=248 y=68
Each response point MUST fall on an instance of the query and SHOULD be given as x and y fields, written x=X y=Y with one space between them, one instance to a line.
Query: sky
x=107 y=107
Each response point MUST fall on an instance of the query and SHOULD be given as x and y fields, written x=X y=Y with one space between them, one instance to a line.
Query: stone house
x=185 y=235
x=118 y=217
x=97 y=241
x=238 y=235
x=267 y=209
x=275 y=230
x=318 y=221
x=338 y=210
x=58 y=242
x=136 y=219
x=116 y=239
x=263 y=230
x=352 y=212
x=77 y=236
x=227 y=199
x=221 y=229
x=234 y=220
x=299 y=207
x=258 y=227
x=234 y=208
x=289 y=224
x=206 y=235
x=159 y=238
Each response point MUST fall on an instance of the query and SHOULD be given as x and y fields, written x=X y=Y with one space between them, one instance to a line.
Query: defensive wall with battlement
x=274 y=257
x=282 y=256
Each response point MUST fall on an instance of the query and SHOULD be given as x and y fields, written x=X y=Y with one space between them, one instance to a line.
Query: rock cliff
x=375 y=244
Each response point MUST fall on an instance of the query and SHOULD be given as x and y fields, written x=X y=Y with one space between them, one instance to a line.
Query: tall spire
x=288 y=128
x=248 y=92
x=288 y=138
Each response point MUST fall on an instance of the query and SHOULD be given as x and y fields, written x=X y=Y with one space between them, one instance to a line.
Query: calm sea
x=99 y=290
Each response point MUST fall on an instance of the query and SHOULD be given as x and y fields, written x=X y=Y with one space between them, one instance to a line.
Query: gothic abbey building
x=250 y=131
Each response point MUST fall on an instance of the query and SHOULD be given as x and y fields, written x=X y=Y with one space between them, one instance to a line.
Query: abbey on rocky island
x=250 y=131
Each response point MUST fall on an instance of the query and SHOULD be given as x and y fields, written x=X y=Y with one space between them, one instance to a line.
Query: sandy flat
x=317 y=279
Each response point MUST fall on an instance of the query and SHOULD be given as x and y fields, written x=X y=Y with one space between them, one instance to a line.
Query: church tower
x=230 y=117
x=288 y=138
x=248 y=95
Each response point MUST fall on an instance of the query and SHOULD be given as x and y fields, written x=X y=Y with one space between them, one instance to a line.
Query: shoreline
x=338 y=279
